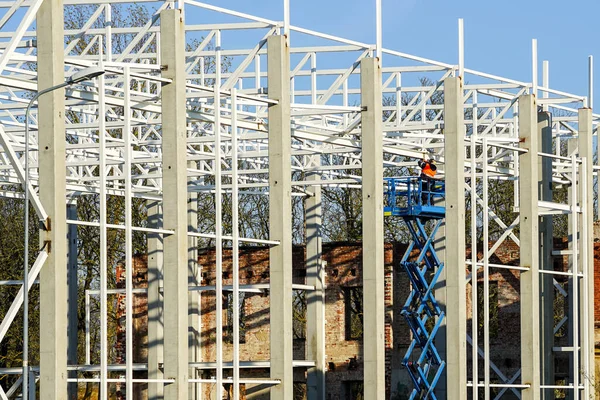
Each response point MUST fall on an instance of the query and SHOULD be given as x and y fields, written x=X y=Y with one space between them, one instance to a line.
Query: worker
x=428 y=169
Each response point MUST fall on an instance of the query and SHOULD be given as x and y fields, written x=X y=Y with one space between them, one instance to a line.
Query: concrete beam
x=373 y=260
x=172 y=51
x=52 y=184
x=529 y=224
x=315 y=299
x=454 y=264
x=280 y=218
x=586 y=151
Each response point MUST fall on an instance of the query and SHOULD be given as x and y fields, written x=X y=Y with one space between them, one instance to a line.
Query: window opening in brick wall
x=299 y=314
x=228 y=395
x=229 y=322
x=493 y=326
x=353 y=311
x=299 y=390
x=354 y=390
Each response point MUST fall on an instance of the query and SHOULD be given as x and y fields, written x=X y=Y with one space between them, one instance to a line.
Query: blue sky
x=497 y=34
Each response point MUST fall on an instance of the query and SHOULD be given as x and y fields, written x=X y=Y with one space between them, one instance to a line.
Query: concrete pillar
x=454 y=265
x=545 y=255
x=440 y=294
x=280 y=218
x=373 y=260
x=52 y=184
x=155 y=301
x=174 y=136
x=73 y=296
x=571 y=149
x=529 y=224
x=587 y=250
x=315 y=300
x=193 y=280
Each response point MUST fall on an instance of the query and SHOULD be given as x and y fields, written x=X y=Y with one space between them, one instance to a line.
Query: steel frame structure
x=348 y=106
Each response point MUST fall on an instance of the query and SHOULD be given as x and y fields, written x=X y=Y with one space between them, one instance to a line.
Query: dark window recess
x=229 y=389
x=299 y=314
x=493 y=326
x=353 y=306
x=354 y=390
x=299 y=391
x=229 y=322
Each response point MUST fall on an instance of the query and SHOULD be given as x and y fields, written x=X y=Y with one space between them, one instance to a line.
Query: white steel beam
x=18 y=301
x=18 y=168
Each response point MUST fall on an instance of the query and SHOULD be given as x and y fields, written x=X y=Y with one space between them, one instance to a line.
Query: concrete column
x=52 y=183
x=373 y=260
x=571 y=149
x=174 y=136
x=193 y=280
x=545 y=255
x=587 y=248
x=280 y=218
x=529 y=224
x=315 y=300
x=440 y=293
x=155 y=301
x=73 y=296
x=456 y=298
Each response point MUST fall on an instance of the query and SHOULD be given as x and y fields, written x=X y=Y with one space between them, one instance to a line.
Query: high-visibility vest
x=428 y=171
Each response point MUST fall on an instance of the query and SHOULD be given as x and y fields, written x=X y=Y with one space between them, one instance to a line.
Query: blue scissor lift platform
x=414 y=200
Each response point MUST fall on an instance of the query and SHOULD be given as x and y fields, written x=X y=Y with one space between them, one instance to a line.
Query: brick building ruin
x=343 y=329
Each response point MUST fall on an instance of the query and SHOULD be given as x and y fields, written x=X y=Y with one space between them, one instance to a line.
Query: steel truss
x=114 y=145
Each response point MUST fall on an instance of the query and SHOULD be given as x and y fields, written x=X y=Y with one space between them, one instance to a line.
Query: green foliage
x=11 y=259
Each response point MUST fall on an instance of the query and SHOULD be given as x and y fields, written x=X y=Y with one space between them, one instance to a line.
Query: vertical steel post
x=474 y=258
x=530 y=284
x=454 y=265
x=545 y=255
x=235 y=245
x=52 y=192
x=461 y=48
x=73 y=297
x=587 y=248
x=373 y=260
x=193 y=280
x=128 y=155
x=174 y=136
x=155 y=300
x=103 y=243
x=280 y=211
x=315 y=299
x=218 y=219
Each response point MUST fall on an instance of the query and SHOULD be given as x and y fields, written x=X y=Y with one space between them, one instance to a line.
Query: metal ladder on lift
x=413 y=199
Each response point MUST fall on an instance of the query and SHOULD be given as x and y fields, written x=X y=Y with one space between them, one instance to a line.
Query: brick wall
x=343 y=357
x=344 y=269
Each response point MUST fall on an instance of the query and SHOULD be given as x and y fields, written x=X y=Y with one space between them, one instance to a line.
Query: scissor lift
x=414 y=200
